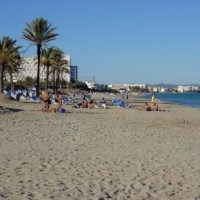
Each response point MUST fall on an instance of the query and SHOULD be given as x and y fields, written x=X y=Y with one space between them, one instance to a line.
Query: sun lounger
x=123 y=104
x=35 y=99
x=115 y=102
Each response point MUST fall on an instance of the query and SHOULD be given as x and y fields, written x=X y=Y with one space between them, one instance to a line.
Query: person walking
x=153 y=99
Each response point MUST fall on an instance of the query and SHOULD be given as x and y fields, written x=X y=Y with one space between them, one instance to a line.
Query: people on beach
x=59 y=97
x=46 y=99
x=155 y=107
x=148 y=108
x=90 y=104
x=103 y=100
x=153 y=99
x=102 y=103
x=87 y=104
x=82 y=104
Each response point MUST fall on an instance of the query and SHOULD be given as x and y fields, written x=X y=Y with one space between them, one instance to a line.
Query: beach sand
x=99 y=154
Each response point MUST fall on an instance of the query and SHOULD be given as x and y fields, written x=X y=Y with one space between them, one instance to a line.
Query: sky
x=117 y=41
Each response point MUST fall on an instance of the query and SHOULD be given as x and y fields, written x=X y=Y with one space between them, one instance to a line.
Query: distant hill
x=169 y=86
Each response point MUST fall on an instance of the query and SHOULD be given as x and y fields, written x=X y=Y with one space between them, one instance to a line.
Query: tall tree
x=47 y=61
x=12 y=70
x=59 y=65
x=9 y=58
x=39 y=32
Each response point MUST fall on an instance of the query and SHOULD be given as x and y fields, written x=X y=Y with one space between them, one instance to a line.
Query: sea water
x=186 y=99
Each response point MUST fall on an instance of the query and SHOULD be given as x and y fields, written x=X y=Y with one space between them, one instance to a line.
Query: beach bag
x=62 y=110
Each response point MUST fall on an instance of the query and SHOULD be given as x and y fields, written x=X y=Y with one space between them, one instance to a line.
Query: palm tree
x=39 y=32
x=59 y=66
x=11 y=70
x=9 y=58
x=47 y=61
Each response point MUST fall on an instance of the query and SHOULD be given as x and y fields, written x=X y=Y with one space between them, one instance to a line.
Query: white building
x=125 y=87
x=91 y=85
x=29 y=68
x=162 y=89
x=187 y=88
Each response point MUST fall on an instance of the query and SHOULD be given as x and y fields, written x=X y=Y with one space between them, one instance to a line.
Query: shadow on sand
x=6 y=109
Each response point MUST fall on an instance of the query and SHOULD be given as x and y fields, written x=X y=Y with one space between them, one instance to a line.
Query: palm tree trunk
x=38 y=71
x=54 y=84
x=11 y=81
x=57 y=81
x=1 y=79
x=47 y=78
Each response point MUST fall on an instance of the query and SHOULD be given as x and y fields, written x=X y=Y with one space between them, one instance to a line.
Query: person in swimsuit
x=155 y=107
x=46 y=101
x=148 y=108
x=59 y=97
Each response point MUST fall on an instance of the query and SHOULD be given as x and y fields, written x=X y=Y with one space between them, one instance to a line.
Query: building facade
x=187 y=88
x=125 y=87
x=73 y=73
x=29 y=68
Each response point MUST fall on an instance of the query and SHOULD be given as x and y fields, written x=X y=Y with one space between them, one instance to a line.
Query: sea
x=185 y=99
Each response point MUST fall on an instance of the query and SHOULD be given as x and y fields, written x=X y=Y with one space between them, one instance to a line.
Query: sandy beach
x=99 y=154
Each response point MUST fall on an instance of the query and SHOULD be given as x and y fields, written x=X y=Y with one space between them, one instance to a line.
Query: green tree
x=14 y=68
x=29 y=82
x=9 y=58
x=78 y=85
x=39 y=32
x=47 y=61
x=59 y=66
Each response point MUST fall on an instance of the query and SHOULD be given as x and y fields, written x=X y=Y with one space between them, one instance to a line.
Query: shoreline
x=171 y=102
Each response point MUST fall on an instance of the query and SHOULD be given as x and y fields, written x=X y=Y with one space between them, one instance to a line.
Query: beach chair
x=23 y=97
x=35 y=99
x=115 y=102
x=7 y=92
x=122 y=104
x=86 y=97
x=15 y=95
x=54 y=99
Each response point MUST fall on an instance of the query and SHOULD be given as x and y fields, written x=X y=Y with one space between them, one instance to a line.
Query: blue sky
x=117 y=41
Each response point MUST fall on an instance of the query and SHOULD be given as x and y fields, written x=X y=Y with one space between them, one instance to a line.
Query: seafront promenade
x=99 y=154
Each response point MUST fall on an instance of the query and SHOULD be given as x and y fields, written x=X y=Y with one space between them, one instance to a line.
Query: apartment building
x=29 y=68
x=73 y=73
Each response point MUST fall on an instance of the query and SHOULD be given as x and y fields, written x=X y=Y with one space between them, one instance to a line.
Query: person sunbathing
x=82 y=104
x=148 y=108
x=90 y=104
x=155 y=107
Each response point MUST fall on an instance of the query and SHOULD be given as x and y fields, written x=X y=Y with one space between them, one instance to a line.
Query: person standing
x=153 y=99
x=59 y=97
x=127 y=96
x=46 y=101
